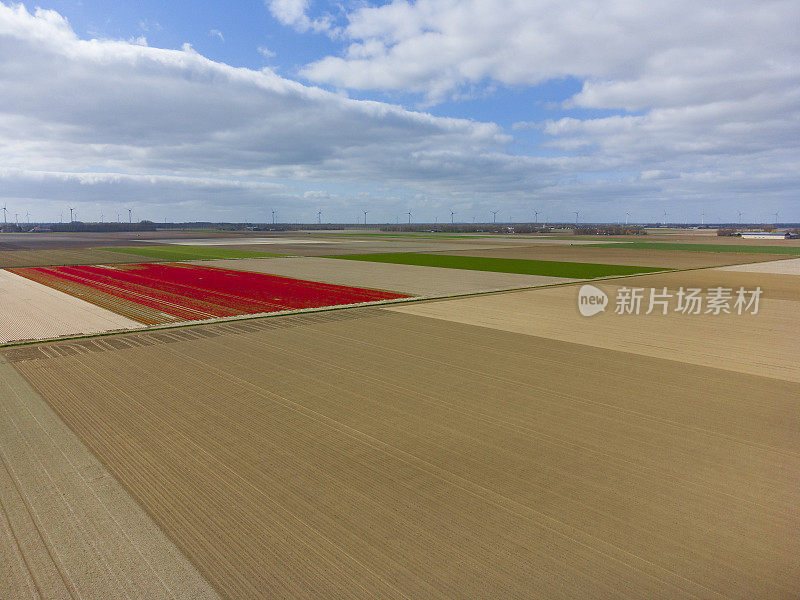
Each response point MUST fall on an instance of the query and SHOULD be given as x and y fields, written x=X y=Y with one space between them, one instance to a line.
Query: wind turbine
x=577 y=214
x=409 y=217
x=16 y=219
x=452 y=214
x=627 y=216
x=273 y=216
x=776 y=218
x=494 y=215
x=319 y=217
x=740 y=213
x=536 y=217
x=70 y=214
x=118 y=217
x=665 y=218
x=28 y=217
x=102 y=215
x=5 y=210
x=703 y=218
x=130 y=216
x=365 y=216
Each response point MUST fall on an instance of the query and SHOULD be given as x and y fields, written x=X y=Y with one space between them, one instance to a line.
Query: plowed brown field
x=386 y=455
x=618 y=256
x=79 y=256
x=761 y=344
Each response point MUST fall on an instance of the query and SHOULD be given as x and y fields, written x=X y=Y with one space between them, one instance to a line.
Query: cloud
x=266 y=52
x=105 y=106
x=436 y=46
x=294 y=13
x=696 y=88
x=217 y=34
x=100 y=122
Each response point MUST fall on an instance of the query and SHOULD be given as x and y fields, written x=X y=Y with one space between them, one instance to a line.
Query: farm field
x=547 y=239
x=33 y=311
x=66 y=240
x=178 y=253
x=67 y=527
x=684 y=237
x=69 y=256
x=778 y=267
x=409 y=279
x=438 y=459
x=163 y=293
x=617 y=254
x=504 y=265
x=369 y=245
x=788 y=248
x=761 y=344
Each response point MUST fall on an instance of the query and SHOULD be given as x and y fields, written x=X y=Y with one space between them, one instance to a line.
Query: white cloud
x=266 y=52
x=95 y=121
x=294 y=13
x=702 y=87
x=104 y=106
x=436 y=46
x=217 y=34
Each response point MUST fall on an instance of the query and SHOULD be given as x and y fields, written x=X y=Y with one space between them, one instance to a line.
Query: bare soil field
x=67 y=528
x=761 y=344
x=70 y=256
x=411 y=279
x=374 y=454
x=31 y=311
x=617 y=256
x=49 y=240
x=777 y=267
x=688 y=238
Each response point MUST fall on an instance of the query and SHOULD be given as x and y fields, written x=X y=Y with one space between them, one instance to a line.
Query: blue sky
x=228 y=110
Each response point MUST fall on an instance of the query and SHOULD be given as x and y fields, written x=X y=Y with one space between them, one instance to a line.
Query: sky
x=208 y=111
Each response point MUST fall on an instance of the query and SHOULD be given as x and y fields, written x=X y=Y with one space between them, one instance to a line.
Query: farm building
x=765 y=235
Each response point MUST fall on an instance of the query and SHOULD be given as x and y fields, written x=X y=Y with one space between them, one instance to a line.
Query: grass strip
x=549 y=268
x=190 y=252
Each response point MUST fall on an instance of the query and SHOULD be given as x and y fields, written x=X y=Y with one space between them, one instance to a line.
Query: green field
x=503 y=265
x=735 y=248
x=190 y=252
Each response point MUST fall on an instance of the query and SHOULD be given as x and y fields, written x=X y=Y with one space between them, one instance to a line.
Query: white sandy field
x=777 y=267
x=410 y=279
x=32 y=311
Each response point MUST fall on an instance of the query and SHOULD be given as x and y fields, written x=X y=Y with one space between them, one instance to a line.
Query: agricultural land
x=318 y=415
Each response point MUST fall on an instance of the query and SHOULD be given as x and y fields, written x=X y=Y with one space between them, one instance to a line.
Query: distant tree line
x=468 y=228
x=79 y=226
